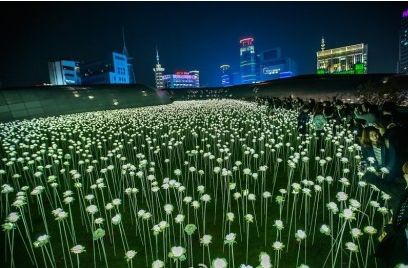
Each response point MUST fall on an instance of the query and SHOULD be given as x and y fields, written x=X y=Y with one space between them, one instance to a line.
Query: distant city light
x=271 y=71
x=246 y=41
x=405 y=13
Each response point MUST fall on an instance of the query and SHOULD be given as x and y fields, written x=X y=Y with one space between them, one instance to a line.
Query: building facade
x=273 y=66
x=247 y=61
x=236 y=78
x=343 y=60
x=64 y=72
x=158 y=73
x=226 y=79
x=114 y=70
x=182 y=80
x=197 y=77
x=403 y=45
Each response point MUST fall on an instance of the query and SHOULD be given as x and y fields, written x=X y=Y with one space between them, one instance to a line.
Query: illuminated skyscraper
x=225 y=76
x=403 y=44
x=197 y=75
x=158 y=73
x=343 y=60
x=248 y=64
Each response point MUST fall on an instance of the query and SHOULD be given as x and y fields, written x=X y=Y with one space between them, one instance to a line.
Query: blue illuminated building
x=114 y=70
x=247 y=61
x=64 y=72
x=196 y=74
x=226 y=77
x=236 y=78
x=273 y=66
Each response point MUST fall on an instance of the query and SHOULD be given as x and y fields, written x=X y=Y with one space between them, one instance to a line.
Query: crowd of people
x=382 y=133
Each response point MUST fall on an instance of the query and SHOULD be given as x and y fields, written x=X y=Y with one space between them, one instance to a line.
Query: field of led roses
x=220 y=183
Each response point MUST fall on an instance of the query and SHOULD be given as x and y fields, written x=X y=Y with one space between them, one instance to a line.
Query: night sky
x=189 y=35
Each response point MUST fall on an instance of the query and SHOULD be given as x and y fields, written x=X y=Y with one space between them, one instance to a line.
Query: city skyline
x=190 y=35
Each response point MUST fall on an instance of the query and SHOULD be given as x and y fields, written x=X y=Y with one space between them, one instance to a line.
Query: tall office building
x=343 y=60
x=226 y=79
x=403 y=44
x=273 y=66
x=197 y=77
x=158 y=73
x=113 y=70
x=247 y=64
x=236 y=78
x=181 y=80
x=64 y=72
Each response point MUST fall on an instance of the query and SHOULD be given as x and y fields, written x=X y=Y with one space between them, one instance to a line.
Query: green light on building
x=321 y=71
x=359 y=68
x=346 y=72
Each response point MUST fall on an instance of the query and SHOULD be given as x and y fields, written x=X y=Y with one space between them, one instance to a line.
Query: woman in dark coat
x=374 y=147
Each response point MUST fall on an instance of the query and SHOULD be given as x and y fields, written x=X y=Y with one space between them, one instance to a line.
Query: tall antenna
x=323 y=45
x=124 y=51
x=132 y=78
x=157 y=55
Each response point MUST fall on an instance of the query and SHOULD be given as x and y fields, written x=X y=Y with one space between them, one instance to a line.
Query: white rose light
x=265 y=260
x=277 y=245
x=116 y=219
x=219 y=263
x=78 y=249
x=205 y=198
x=92 y=209
x=206 y=240
x=356 y=233
x=177 y=253
x=168 y=208
x=230 y=238
x=278 y=224
x=370 y=230
x=158 y=264
x=13 y=217
x=300 y=235
x=332 y=207
x=179 y=218
x=324 y=229
x=341 y=196
x=129 y=255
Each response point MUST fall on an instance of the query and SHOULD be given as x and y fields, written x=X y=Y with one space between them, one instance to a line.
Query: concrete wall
x=33 y=102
